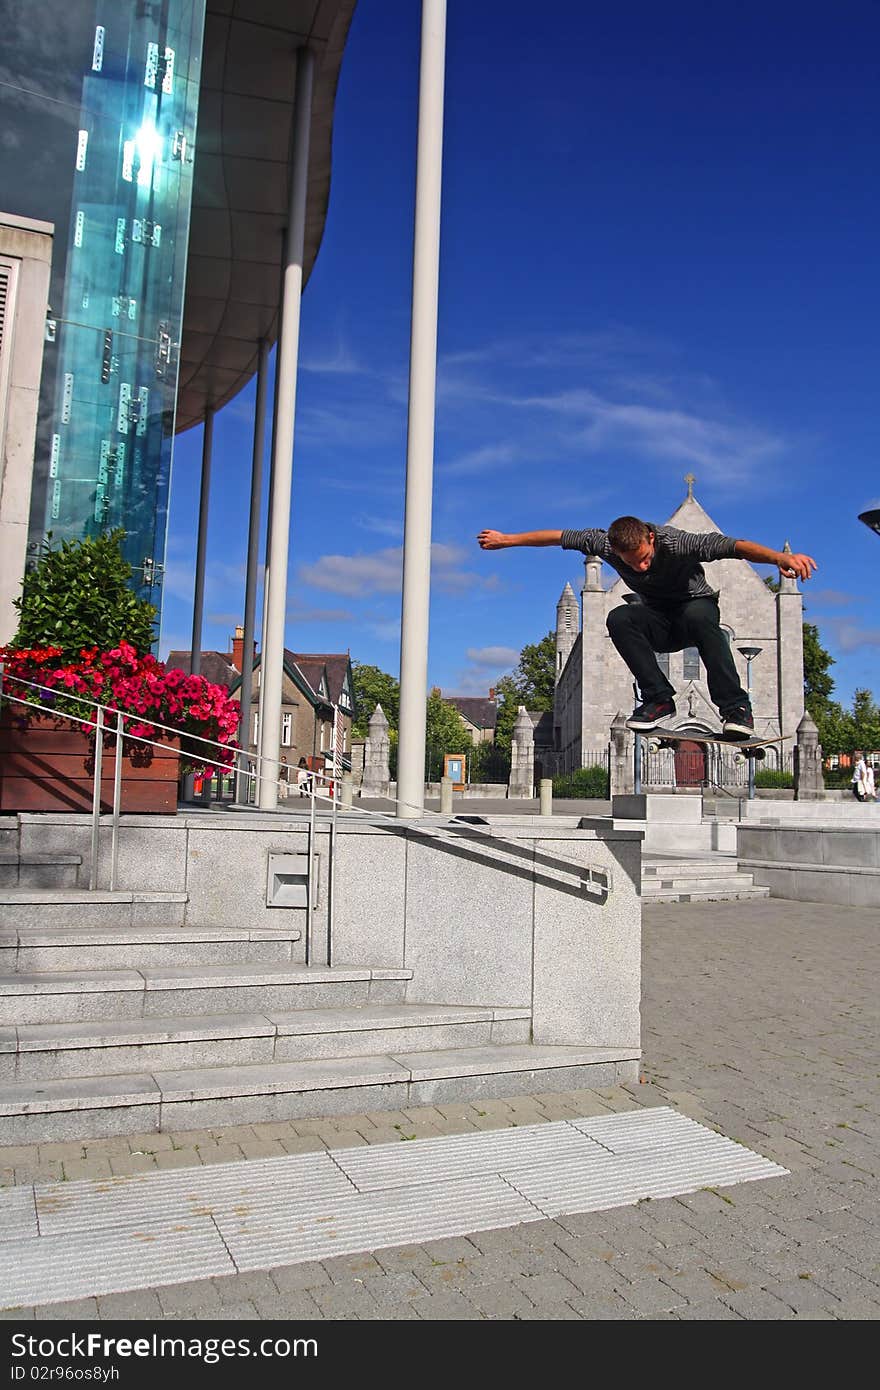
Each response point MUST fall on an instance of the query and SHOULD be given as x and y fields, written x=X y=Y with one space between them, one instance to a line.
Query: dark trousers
x=638 y=632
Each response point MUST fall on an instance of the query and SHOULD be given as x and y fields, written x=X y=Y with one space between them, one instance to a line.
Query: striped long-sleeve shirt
x=676 y=573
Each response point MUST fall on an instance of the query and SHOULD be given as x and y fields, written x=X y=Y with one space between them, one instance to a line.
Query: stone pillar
x=621 y=757
x=545 y=791
x=377 y=775
x=522 y=758
x=446 y=796
x=809 y=783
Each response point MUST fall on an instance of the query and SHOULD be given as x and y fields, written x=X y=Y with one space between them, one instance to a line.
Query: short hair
x=627 y=533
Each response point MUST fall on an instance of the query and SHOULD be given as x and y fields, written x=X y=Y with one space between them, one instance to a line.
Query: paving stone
x=258 y=1148
x=77 y=1168
x=602 y=1307
x=140 y=1304
x=292 y=1278
x=304 y=1144
x=499 y=1299
x=652 y=1295
x=196 y=1298
x=757 y=1305
x=448 y=1305
x=346 y=1300
x=220 y=1153
x=148 y=1143
x=178 y=1158
x=714 y=1311
x=252 y=1284
x=72 y=1311
x=126 y=1164
x=342 y=1268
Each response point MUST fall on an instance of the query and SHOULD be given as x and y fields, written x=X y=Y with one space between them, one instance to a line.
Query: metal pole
x=242 y=790
x=195 y=655
x=311 y=871
x=272 y=659
x=331 y=872
x=637 y=764
x=117 y=797
x=420 y=431
x=96 y=798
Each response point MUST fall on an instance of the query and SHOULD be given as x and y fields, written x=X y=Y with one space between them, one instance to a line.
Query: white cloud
x=494 y=657
x=849 y=636
x=381 y=572
x=481 y=460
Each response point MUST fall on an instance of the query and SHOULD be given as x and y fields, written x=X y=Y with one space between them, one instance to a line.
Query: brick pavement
x=760 y=1020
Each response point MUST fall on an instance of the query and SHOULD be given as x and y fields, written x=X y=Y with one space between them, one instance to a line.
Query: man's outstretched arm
x=791 y=566
x=499 y=540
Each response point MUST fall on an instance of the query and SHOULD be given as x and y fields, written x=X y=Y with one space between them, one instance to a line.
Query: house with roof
x=478 y=715
x=317 y=695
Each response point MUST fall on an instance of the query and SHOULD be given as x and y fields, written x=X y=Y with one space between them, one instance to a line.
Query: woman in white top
x=860 y=776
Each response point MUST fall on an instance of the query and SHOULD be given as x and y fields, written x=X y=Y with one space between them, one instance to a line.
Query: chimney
x=238 y=648
x=492 y=692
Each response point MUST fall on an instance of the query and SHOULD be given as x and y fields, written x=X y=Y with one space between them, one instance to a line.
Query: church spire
x=690 y=480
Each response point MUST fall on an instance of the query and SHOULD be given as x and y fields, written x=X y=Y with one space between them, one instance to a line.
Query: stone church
x=593 y=684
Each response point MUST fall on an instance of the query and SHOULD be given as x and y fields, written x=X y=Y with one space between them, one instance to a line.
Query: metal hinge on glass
x=51 y=325
x=152 y=571
x=164 y=351
x=107 y=356
x=146 y=233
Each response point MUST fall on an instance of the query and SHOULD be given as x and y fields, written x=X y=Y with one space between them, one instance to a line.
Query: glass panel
x=663 y=663
x=100 y=141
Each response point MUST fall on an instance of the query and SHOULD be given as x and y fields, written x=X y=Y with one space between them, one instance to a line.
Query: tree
x=373 y=687
x=535 y=675
x=78 y=596
x=533 y=684
x=445 y=732
x=865 y=722
x=818 y=684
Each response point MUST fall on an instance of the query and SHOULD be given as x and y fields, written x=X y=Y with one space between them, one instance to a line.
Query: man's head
x=633 y=542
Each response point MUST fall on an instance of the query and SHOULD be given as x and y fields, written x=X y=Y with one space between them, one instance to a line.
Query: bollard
x=546 y=793
x=446 y=796
x=347 y=792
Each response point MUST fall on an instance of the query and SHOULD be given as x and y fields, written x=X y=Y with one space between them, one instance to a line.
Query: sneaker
x=739 y=721
x=651 y=714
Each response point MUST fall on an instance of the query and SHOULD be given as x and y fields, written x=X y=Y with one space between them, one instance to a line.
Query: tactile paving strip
x=72 y=1240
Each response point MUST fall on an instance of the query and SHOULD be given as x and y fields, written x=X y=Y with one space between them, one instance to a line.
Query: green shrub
x=773 y=777
x=586 y=783
x=78 y=595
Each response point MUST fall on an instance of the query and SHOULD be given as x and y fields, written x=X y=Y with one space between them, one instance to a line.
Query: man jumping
x=671 y=607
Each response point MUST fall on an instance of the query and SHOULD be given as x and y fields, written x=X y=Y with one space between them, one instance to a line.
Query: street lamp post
x=750 y=653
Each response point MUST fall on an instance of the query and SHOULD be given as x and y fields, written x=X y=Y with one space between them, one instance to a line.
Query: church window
x=691 y=670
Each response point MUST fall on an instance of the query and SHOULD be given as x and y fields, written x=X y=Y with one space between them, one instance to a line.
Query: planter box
x=48 y=767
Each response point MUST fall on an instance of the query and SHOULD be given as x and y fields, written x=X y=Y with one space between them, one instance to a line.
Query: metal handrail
x=593 y=879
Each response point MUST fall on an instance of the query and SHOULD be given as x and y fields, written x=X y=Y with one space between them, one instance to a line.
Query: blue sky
x=659 y=255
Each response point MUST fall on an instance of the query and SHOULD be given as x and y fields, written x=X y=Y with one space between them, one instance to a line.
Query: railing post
x=117 y=797
x=96 y=798
x=310 y=905
x=637 y=765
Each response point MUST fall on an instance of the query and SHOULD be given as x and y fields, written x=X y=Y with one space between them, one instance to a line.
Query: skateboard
x=668 y=738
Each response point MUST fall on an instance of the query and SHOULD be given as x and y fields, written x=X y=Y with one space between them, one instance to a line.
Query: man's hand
x=492 y=540
x=797 y=566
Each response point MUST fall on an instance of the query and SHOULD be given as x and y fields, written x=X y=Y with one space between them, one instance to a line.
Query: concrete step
x=77 y=907
x=38 y=871
x=684 y=883
x=107 y=948
x=669 y=866
x=701 y=895
x=176 y=990
x=53 y=1051
x=139 y=1102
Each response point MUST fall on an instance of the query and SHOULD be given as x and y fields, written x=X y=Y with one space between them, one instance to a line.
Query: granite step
x=109 y=947
x=149 y=1101
x=684 y=883
x=703 y=895
x=53 y=1051
x=78 y=907
x=175 y=990
x=38 y=871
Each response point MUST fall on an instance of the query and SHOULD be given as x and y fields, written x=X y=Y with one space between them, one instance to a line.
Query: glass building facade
x=100 y=100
